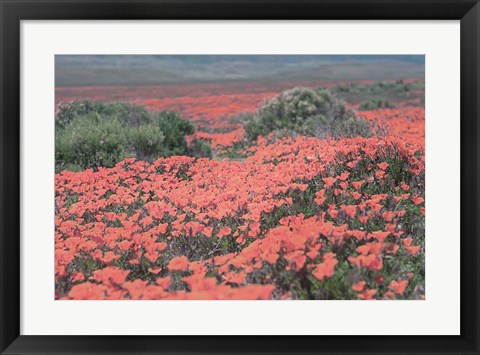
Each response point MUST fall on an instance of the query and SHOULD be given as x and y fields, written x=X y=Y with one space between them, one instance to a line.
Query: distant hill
x=85 y=70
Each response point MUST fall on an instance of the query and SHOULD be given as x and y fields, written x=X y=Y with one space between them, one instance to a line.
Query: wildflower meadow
x=241 y=190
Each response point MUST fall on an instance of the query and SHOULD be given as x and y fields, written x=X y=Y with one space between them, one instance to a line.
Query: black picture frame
x=14 y=11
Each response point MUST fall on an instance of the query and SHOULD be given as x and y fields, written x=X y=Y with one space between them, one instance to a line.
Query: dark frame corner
x=13 y=11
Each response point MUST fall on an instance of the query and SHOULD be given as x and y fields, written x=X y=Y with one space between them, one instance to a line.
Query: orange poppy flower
x=398 y=287
x=180 y=263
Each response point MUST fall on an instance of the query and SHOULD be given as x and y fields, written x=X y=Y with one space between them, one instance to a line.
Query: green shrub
x=302 y=111
x=375 y=105
x=129 y=114
x=391 y=91
x=200 y=148
x=174 y=129
x=146 y=141
x=92 y=134
x=90 y=142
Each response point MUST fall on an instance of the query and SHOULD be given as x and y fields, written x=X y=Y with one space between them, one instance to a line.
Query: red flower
x=179 y=263
x=359 y=286
x=398 y=286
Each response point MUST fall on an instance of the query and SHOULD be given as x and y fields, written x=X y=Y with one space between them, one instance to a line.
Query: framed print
x=239 y=177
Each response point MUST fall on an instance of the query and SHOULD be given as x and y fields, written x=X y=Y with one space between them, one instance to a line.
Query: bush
x=306 y=112
x=375 y=105
x=200 y=148
x=129 y=114
x=90 y=142
x=147 y=141
x=174 y=128
x=92 y=134
x=392 y=92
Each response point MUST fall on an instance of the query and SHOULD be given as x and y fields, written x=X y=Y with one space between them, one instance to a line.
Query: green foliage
x=174 y=129
x=398 y=87
x=91 y=134
x=306 y=112
x=90 y=142
x=147 y=141
x=375 y=105
x=200 y=148
x=392 y=92
x=128 y=114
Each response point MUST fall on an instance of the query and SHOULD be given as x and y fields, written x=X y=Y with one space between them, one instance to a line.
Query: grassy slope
x=147 y=70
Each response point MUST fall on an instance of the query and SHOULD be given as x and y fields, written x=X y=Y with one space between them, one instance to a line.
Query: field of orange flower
x=296 y=218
